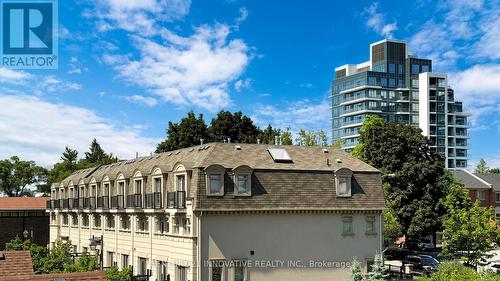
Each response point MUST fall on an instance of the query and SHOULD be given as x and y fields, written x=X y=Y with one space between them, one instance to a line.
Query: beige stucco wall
x=287 y=237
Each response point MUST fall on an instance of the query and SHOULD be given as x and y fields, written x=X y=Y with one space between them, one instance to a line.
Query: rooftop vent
x=325 y=150
x=280 y=155
x=238 y=147
x=338 y=160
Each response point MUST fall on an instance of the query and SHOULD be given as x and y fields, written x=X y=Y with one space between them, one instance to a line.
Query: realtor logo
x=29 y=34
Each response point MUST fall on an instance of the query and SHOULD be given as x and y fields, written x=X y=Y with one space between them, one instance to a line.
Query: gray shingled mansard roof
x=473 y=180
x=306 y=183
x=493 y=179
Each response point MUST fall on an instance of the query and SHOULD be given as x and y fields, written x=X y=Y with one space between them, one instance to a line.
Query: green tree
x=286 y=137
x=356 y=274
x=59 y=257
x=481 y=167
x=16 y=175
x=39 y=254
x=114 y=274
x=236 y=126
x=392 y=228
x=269 y=134
x=83 y=263
x=469 y=233
x=410 y=169
x=494 y=171
x=378 y=271
x=311 y=138
x=454 y=271
x=188 y=132
x=97 y=156
x=61 y=170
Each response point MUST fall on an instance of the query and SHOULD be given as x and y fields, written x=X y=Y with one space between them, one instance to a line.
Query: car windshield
x=429 y=261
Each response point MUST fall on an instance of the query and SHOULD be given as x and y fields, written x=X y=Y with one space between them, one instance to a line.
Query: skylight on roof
x=280 y=155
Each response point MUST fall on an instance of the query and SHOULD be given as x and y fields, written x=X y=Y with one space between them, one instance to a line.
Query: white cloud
x=377 y=22
x=468 y=27
x=243 y=16
x=42 y=134
x=137 y=15
x=148 y=101
x=242 y=84
x=302 y=114
x=194 y=70
x=479 y=84
x=13 y=76
x=51 y=84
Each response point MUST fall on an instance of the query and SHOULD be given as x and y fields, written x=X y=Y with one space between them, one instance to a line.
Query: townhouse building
x=399 y=87
x=484 y=188
x=224 y=211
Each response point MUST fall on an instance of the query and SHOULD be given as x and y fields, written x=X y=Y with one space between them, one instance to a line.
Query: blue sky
x=126 y=68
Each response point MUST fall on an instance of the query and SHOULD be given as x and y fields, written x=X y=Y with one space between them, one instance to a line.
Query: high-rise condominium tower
x=399 y=87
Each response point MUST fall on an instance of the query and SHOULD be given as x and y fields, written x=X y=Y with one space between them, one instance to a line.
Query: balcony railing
x=56 y=204
x=92 y=203
x=65 y=203
x=153 y=200
x=86 y=203
x=117 y=202
x=99 y=202
x=48 y=205
x=134 y=200
x=176 y=200
x=105 y=202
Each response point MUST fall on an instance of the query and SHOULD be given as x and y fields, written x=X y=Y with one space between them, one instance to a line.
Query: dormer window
x=242 y=180
x=215 y=180
x=215 y=184
x=343 y=178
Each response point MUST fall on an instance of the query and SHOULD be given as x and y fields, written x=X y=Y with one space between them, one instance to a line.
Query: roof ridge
x=478 y=178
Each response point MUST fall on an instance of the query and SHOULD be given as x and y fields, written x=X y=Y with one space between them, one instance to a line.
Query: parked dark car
x=422 y=263
x=396 y=253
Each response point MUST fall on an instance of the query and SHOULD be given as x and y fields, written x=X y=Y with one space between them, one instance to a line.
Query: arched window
x=215 y=180
x=242 y=180
x=343 y=178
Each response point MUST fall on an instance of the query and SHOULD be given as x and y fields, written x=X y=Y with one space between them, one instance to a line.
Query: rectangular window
x=125 y=223
x=414 y=107
x=121 y=188
x=180 y=183
x=242 y=184
x=415 y=69
x=372 y=93
x=414 y=95
x=97 y=221
x=400 y=69
x=74 y=219
x=497 y=197
x=65 y=219
x=110 y=259
x=181 y=273
x=392 y=68
x=239 y=272
x=215 y=184
x=216 y=270
x=392 y=95
x=142 y=223
x=347 y=228
x=124 y=261
x=372 y=81
x=162 y=271
x=110 y=222
x=481 y=194
x=383 y=82
x=162 y=226
x=414 y=83
x=392 y=82
x=425 y=68
x=370 y=225
x=143 y=269
x=383 y=94
x=138 y=186
x=343 y=186
x=157 y=184
x=187 y=226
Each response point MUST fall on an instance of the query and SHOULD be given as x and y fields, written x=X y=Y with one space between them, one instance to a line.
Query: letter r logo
x=27 y=28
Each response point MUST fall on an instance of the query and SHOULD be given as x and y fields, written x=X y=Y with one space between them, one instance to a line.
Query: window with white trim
x=481 y=195
x=162 y=226
x=370 y=225
x=110 y=221
x=347 y=226
x=215 y=184
x=142 y=223
x=497 y=197
x=215 y=180
x=343 y=178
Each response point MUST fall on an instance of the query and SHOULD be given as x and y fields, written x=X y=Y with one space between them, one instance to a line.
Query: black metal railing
x=134 y=200
x=153 y=200
x=176 y=200
x=80 y=203
x=130 y=201
x=48 y=204
x=105 y=202
x=86 y=203
x=117 y=202
x=92 y=203
x=65 y=203
x=56 y=204
x=99 y=202
x=60 y=203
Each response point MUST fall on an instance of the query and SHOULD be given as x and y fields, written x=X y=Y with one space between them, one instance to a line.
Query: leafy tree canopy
x=188 y=132
x=16 y=175
x=311 y=138
x=236 y=126
x=410 y=169
x=469 y=233
x=482 y=168
x=454 y=271
x=114 y=274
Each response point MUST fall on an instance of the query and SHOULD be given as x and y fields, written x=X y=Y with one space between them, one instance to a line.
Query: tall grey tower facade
x=399 y=87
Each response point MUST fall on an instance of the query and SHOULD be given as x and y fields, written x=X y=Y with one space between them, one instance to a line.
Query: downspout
x=199 y=261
